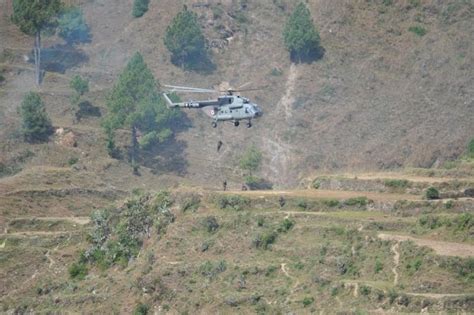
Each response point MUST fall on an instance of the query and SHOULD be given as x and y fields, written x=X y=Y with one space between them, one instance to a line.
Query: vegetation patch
x=397 y=183
x=418 y=30
x=232 y=202
x=117 y=234
x=432 y=193
x=357 y=201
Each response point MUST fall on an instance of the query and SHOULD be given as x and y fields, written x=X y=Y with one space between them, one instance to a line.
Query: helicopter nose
x=258 y=111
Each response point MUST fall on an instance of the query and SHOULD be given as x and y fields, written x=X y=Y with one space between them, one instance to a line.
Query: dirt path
x=76 y=220
x=409 y=177
x=440 y=247
x=328 y=194
x=396 y=262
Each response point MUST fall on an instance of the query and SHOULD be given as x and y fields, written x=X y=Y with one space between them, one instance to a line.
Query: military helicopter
x=227 y=107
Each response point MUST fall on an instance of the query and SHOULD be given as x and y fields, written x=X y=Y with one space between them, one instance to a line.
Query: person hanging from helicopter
x=219 y=145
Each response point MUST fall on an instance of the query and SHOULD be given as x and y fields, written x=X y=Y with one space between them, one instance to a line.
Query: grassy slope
x=330 y=257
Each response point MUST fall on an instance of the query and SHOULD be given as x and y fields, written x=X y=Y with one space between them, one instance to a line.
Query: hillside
x=351 y=143
x=380 y=98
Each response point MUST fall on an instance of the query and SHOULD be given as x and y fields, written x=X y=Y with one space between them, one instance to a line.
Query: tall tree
x=36 y=125
x=300 y=35
x=185 y=40
x=33 y=17
x=135 y=103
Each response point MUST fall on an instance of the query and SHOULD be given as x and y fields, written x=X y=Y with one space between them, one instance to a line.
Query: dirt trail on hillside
x=76 y=220
x=412 y=178
x=328 y=194
x=396 y=262
x=281 y=152
x=440 y=247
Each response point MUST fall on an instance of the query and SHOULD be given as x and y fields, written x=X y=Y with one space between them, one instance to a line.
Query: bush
x=378 y=266
x=418 y=30
x=236 y=203
x=210 y=223
x=140 y=7
x=191 y=204
x=396 y=183
x=210 y=270
x=307 y=301
x=470 y=148
x=332 y=203
x=432 y=193
x=251 y=160
x=36 y=125
x=80 y=85
x=141 y=309
x=365 y=290
x=300 y=35
x=357 y=201
x=265 y=240
x=78 y=271
x=286 y=225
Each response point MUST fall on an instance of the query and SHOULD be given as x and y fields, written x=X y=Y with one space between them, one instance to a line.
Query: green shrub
x=276 y=72
x=396 y=183
x=211 y=270
x=470 y=148
x=36 y=125
x=378 y=266
x=78 y=271
x=316 y=184
x=285 y=226
x=191 y=204
x=265 y=240
x=235 y=202
x=418 y=30
x=210 y=223
x=72 y=161
x=365 y=290
x=432 y=193
x=308 y=301
x=357 y=201
x=140 y=7
x=332 y=203
x=260 y=221
x=464 y=222
x=302 y=204
x=141 y=309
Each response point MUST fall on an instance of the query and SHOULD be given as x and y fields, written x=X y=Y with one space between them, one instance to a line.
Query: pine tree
x=135 y=103
x=300 y=35
x=33 y=17
x=72 y=26
x=185 y=40
x=36 y=125
x=140 y=7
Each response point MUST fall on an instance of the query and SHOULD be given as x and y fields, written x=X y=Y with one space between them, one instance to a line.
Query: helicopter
x=227 y=107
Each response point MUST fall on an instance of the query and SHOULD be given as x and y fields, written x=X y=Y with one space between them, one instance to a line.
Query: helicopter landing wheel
x=236 y=123
x=214 y=124
x=249 y=124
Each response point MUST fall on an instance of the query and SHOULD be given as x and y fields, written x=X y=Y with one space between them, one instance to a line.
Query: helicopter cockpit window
x=229 y=100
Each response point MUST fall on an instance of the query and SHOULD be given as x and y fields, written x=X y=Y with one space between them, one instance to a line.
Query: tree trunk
x=37 y=53
x=133 y=153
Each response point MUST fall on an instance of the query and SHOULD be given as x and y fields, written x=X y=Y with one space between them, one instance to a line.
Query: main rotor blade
x=175 y=88
x=245 y=90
